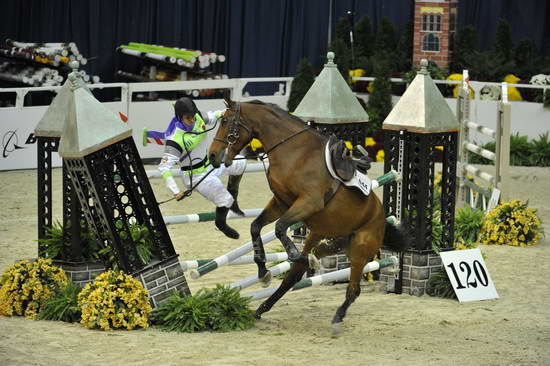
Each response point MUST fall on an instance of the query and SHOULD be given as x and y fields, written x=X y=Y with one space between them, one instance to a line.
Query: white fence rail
x=470 y=192
x=18 y=122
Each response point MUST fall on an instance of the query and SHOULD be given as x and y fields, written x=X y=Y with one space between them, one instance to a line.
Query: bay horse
x=303 y=190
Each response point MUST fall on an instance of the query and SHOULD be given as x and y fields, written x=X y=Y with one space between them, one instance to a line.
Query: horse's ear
x=227 y=98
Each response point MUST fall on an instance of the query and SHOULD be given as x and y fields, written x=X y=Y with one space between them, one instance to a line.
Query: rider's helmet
x=185 y=107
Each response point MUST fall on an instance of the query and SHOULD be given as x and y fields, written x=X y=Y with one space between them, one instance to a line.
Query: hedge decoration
x=114 y=300
x=511 y=223
x=26 y=287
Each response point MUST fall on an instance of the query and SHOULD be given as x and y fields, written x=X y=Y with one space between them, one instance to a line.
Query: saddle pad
x=359 y=180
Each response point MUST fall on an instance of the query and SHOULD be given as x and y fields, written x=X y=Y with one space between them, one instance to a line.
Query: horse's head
x=232 y=136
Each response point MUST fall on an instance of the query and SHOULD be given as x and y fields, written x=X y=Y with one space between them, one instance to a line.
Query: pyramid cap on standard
x=90 y=125
x=53 y=121
x=422 y=108
x=330 y=99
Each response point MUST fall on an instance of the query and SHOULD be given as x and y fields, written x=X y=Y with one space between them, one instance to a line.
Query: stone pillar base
x=417 y=269
x=81 y=273
x=161 y=279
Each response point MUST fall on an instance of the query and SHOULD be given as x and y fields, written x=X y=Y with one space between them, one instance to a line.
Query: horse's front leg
x=300 y=210
x=270 y=213
x=292 y=277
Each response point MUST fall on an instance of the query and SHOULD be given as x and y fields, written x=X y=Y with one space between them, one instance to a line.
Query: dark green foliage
x=439 y=285
x=144 y=244
x=437 y=230
x=464 y=43
x=183 y=313
x=522 y=151
x=342 y=56
x=54 y=246
x=405 y=49
x=435 y=73
x=468 y=223
x=63 y=306
x=229 y=311
x=380 y=103
x=540 y=150
x=301 y=83
x=488 y=65
x=220 y=309
x=546 y=99
x=385 y=37
x=140 y=236
x=504 y=45
x=341 y=30
x=527 y=59
x=364 y=45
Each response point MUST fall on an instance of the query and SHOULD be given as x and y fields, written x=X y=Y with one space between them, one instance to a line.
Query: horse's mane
x=278 y=111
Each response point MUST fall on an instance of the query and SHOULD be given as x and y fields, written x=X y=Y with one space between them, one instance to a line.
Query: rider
x=188 y=145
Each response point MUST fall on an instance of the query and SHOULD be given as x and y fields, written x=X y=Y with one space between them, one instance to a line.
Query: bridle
x=234 y=129
x=237 y=123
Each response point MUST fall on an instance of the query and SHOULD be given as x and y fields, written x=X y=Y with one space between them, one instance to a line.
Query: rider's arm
x=165 y=166
x=213 y=116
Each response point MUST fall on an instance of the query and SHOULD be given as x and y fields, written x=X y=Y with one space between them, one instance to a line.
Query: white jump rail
x=501 y=156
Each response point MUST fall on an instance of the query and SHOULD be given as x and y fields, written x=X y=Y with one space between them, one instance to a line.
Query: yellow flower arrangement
x=26 y=287
x=511 y=223
x=114 y=300
x=437 y=182
x=369 y=141
x=380 y=156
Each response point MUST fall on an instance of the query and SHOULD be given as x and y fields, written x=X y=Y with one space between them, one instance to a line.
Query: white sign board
x=468 y=275
x=493 y=201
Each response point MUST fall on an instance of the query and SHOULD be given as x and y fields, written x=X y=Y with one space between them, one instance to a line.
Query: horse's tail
x=397 y=237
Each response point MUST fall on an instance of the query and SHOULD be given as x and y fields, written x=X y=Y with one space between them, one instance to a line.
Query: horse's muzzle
x=216 y=158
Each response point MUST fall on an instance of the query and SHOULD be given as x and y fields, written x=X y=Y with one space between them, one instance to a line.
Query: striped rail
x=208 y=216
x=339 y=275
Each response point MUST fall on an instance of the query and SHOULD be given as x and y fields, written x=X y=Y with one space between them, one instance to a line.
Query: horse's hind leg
x=363 y=248
x=270 y=213
x=294 y=275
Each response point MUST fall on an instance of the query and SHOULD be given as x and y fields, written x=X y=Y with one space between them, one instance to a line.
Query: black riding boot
x=233 y=188
x=221 y=217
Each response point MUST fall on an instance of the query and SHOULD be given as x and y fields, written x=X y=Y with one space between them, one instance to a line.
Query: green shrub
x=439 y=285
x=55 y=246
x=468 y=223
x=522 y=151
x=63 y=305
x=140 y=236
x=220 y=309
x=539 y=150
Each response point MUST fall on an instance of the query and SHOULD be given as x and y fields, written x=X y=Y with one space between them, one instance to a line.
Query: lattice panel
x=89 y=200
x=448 y=188
x=391 y=160
x=45 y=147
x=119 y=195
x=353 y=132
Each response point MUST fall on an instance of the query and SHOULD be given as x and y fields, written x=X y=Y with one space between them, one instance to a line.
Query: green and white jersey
x=189 y=148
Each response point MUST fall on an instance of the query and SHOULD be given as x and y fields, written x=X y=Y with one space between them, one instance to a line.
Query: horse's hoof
x=313 y=262
x=195 y=274
x=266 y=279
x=257 y=315
x=336 y=329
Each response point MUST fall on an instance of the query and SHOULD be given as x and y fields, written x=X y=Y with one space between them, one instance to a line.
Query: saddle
x=345 y=161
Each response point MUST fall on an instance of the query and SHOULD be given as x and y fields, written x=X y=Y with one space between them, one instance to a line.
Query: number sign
x=469 y=275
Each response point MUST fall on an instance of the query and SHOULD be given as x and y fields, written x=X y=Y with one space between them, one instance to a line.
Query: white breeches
x=212 y=187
